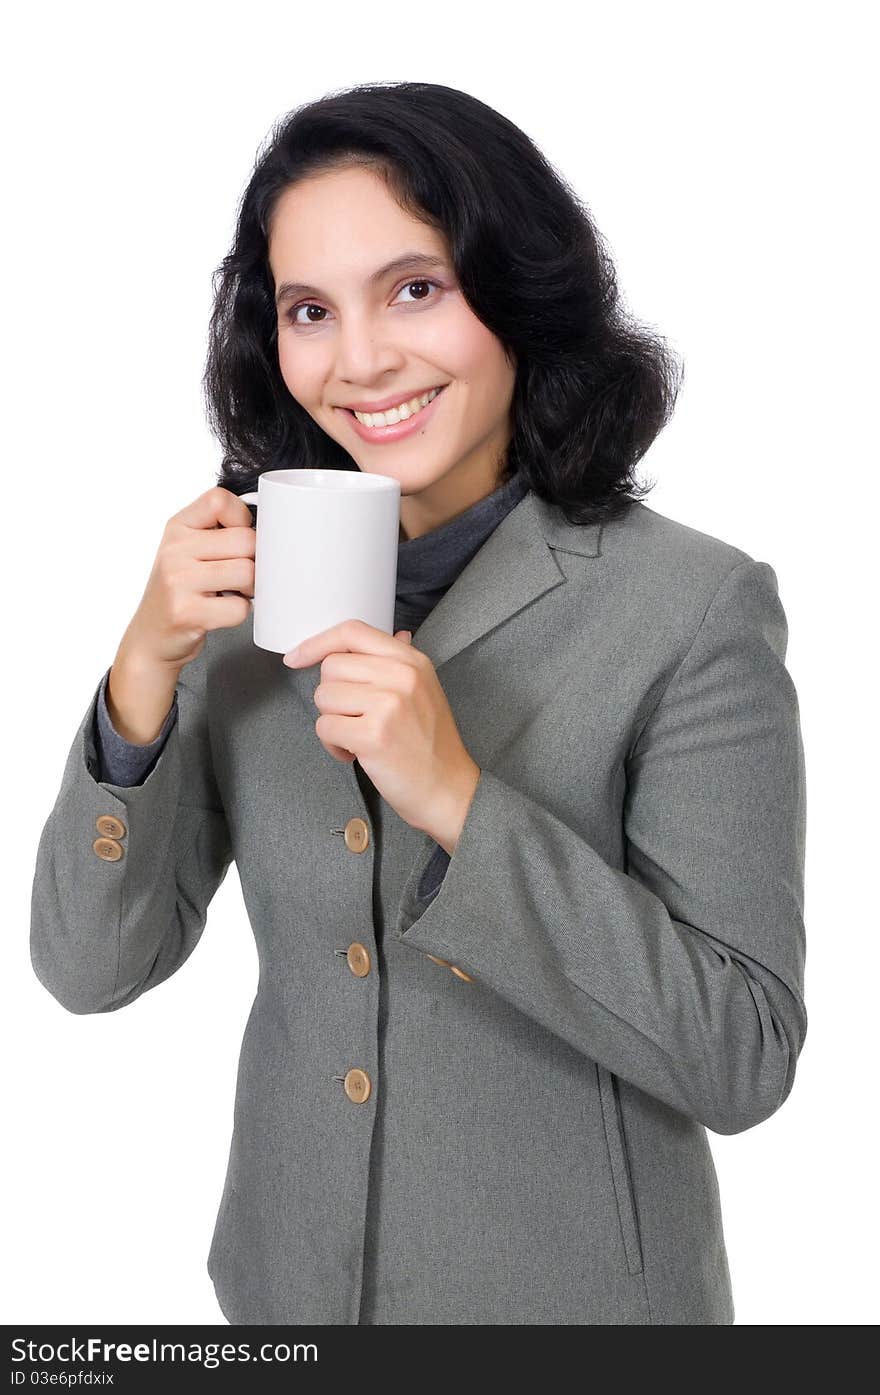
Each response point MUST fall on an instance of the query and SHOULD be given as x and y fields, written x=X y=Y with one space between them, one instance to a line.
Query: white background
x=725 y=152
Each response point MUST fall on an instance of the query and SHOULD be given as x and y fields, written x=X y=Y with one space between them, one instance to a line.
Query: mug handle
x=251 y=499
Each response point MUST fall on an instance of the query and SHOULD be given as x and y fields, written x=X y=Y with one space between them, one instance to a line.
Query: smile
x=402 y=412
x=398 y=421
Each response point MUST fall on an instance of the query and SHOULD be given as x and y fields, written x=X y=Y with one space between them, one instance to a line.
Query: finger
x=370 y=669
x=338 y=753
x=342 y=699
x=212 y=544
x=341 y=732
x=350 y=636
x=216 y=507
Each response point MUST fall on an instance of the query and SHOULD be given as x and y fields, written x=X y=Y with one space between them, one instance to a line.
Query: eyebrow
x=289 y=289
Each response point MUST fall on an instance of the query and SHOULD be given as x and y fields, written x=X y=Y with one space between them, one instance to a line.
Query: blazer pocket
x=620 y=1170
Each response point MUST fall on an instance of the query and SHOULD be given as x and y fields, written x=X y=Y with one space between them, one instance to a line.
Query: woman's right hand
x=207 y=548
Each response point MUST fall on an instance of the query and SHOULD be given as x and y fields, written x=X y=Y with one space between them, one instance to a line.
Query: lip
x=381 y=434
x=388 y=402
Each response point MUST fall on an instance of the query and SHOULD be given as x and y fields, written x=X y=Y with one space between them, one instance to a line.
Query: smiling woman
x=527 y=894
x=401 y=237
x=432 y=384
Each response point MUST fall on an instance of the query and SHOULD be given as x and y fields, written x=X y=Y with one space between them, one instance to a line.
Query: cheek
x=287 y=364
x=489 y=375
x=301 y=373
x=452 y=338
x=480 y=357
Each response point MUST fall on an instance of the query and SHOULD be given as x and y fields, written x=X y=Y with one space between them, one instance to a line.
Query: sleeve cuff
x=436 y=878
x=432 y=877
x=123 y=762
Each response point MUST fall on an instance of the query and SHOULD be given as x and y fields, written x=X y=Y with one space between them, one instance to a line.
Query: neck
x=472 y=479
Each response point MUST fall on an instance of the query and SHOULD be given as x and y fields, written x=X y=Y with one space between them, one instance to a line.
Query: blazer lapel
x=515 y=566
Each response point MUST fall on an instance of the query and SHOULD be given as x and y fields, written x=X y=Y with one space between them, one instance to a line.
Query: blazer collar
x=515 y=566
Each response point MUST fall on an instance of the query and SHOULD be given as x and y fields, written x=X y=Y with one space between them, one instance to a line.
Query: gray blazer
x=488 y=1105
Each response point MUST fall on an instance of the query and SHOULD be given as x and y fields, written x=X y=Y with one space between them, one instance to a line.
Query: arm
x=683 y=973
x=103 y=932
x=122 y=762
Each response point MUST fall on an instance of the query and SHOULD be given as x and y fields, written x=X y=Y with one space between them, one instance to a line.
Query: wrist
x=454 y=808
x=139 y=697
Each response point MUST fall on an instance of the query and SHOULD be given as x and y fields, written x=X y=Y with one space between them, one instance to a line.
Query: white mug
x=326 y=551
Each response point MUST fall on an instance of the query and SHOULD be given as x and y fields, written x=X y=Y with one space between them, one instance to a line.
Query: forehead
x=344 y=220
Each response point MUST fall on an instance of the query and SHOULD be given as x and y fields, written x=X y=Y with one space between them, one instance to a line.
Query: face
x=351 y=333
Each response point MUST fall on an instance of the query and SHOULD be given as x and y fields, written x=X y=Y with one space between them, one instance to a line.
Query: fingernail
x=291 y=657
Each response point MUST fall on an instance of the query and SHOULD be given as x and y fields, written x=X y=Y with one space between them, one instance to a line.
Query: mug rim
x=283 y=476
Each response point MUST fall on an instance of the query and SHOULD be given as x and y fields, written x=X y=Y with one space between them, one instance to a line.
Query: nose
x=364 y=352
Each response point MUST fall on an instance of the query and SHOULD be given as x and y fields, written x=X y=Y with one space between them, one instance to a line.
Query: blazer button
x=460 y=973
x=444 y=962
x=357 y=835
x=108 y=849
x=358 y=957
x=357 y=1085
x=110 y=827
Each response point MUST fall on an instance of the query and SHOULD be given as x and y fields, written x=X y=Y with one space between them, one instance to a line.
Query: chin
x=412 y=480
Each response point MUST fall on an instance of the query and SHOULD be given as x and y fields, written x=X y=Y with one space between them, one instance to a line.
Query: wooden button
x=460 y=973
x=357 y=835
x=444 y=962
x=358 y=957
x=108 y=849
x=357 y=1085
x=110 y=827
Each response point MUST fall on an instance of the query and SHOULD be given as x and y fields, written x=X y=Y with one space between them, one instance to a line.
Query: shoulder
x=644 y=532
x=663 y=579
x=654 y=552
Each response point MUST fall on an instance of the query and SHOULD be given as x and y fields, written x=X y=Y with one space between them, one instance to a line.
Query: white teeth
x=395 y=414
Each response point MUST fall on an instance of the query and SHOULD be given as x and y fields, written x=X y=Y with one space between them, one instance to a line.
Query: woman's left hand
x=381 y=703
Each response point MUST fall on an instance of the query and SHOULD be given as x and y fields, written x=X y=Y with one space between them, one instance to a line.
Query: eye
x=304 y=305
x=311 y=305
x=419 y=283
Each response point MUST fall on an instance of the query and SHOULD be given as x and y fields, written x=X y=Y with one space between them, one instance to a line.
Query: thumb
x=405 y=635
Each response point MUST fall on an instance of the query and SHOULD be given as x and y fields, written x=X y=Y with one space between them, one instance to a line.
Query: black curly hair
x=593 y=388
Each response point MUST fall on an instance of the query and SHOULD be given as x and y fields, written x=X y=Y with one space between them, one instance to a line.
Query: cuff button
x=107 y=849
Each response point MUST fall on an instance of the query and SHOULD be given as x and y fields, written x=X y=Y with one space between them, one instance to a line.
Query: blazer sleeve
x=103 y=932
x=683 y=972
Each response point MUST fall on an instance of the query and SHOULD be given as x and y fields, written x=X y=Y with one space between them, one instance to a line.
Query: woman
x=526 y=876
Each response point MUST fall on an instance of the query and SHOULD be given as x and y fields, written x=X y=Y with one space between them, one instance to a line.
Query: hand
x=207 y=549
x=382 y=704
